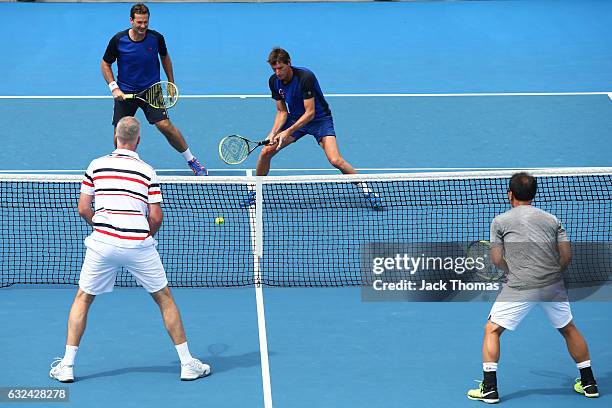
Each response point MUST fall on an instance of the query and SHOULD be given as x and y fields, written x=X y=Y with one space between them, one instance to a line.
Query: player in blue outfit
x=136 y=51
x=301 y=109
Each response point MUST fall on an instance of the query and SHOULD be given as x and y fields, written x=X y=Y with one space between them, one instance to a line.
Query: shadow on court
x=218 y=362
x=604 y=383
x=221 y=364
x=168 y=369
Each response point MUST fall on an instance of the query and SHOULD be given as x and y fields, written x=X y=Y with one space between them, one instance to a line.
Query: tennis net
x=302 y=231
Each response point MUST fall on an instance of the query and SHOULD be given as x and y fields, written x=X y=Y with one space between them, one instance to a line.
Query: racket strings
x=162 y=95
x=234 y=150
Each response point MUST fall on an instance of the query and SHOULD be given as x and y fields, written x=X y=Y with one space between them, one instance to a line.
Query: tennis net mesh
x=302 y=231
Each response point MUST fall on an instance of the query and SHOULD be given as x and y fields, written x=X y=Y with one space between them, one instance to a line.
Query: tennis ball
x=219 y=220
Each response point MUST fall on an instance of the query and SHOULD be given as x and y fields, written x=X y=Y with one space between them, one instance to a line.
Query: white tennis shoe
x=60 y=371
x=194 y=369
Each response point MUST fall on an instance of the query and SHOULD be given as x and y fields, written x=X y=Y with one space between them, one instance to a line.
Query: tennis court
x=427 y=86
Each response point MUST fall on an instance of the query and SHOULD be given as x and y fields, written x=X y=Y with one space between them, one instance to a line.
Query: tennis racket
x=235 y=149
x=163 y=95
x=482 y=249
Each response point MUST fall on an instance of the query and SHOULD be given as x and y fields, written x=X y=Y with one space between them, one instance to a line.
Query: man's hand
x=171 y=90
x=272 y=138
x=84 y=207
x=282 y=139
x=118 y=94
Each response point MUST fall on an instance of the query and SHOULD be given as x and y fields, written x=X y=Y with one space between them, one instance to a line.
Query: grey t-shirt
x=529 y=237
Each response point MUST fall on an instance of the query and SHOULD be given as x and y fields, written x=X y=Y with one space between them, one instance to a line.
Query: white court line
x=256 y=222
x=332 y=95
x=303 y=170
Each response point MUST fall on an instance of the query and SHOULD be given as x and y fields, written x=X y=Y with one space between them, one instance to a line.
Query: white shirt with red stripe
x=123 y=186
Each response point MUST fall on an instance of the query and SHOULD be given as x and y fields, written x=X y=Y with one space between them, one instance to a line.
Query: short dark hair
x=139 y=8
x=523 y=186
x=278 y=55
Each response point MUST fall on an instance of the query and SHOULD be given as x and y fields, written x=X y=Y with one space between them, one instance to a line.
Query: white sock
x=69 y=355
x=183 y=352
x=584 y=364
x=488 y=367
x=187 y=155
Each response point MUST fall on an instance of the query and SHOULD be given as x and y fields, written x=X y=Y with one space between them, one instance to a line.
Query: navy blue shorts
x=129 y=107
x=318 y=128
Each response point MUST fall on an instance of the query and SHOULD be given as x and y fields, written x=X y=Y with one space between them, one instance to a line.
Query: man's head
x=139 y=18
x=280 y=61
x=522 y=188
x=128 y=133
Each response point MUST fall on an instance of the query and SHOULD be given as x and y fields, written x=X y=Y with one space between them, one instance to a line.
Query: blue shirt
x=303 y=85
x=137 y=61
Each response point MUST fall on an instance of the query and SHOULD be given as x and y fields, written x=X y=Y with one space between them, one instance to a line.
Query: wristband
x=113 y=85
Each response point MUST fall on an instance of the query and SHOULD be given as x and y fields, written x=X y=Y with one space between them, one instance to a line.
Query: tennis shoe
x=250 y=199
x=61 y=372
x=374 y=199
x=588 y=390
x=193 y=370
x=197 y=167
x=484 y=394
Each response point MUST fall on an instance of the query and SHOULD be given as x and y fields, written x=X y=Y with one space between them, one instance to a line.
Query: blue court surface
x=428 y=85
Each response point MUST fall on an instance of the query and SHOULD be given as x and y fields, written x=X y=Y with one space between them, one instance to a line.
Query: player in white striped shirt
x=127 y=215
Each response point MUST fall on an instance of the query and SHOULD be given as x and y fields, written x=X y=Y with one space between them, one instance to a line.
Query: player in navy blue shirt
x=136 y=51
x=301 y=109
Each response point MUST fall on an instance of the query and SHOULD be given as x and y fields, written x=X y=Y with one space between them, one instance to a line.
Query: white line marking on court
x=331 y=95
x=54 y=97
x=379 y=169
x=256 y=220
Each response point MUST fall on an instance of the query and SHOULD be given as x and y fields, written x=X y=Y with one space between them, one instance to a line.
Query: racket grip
x=264 y=142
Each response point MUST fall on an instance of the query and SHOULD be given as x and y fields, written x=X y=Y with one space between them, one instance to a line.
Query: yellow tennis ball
x=219 y=220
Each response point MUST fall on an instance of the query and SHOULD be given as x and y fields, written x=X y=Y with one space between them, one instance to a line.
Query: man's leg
x=576 y=345
x=176 y=140
x=487 y=391
x=77 y=320
x=62 y=369
x=330 y=147
x=172 y=134
x=170 y=315
x=578 y=349
x=491 y=343
x=191 y=368
x=265 y=157
x=490 y=354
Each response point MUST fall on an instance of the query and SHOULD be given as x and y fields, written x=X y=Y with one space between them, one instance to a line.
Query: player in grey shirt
x=532 y=247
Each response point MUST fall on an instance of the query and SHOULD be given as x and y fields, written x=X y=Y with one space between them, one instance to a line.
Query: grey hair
x=128 y=130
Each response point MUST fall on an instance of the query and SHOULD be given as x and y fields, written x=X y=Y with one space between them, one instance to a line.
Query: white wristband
x=113 y=85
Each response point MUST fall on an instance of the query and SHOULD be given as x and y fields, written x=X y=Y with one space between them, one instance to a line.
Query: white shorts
x=509 y=314
x=103 y=261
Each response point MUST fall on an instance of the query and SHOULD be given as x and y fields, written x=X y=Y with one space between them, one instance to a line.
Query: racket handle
x=264 y=142
x=129 y=96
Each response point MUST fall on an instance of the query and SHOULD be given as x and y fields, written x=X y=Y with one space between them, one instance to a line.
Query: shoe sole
x=595 y=395
x=67 y=380
x=487 y=400
x=589 y=395
x=195 y=378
